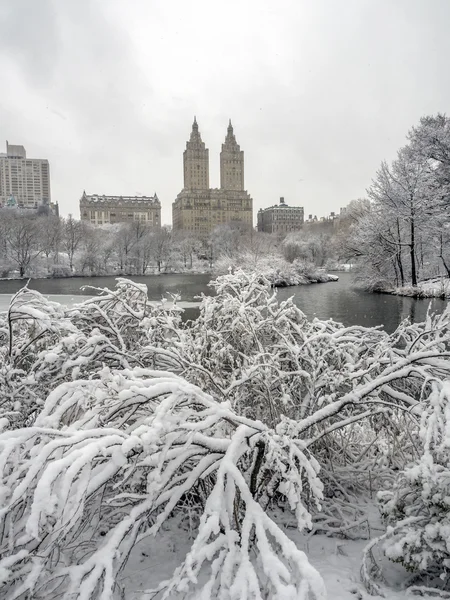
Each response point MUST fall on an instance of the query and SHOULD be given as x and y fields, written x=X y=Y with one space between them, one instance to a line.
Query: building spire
x=196 y=161
x=230 y=138
x=231 y=163
x=195 y=134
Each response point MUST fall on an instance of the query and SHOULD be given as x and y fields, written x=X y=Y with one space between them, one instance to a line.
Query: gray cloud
x=319 y=92
x=31 y=38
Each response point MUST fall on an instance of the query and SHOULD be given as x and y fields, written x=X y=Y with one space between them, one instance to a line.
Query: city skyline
x=108 y=99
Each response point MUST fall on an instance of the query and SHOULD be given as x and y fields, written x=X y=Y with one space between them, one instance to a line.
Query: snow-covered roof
x=120 y=199
x=282 y=207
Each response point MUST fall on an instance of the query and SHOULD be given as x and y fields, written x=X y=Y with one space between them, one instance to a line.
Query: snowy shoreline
x=278 y=272
x=431 y=288
x=281 y=281
x=125 y=276
x=70 y=300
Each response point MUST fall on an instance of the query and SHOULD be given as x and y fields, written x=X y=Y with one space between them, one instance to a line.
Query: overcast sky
x=319 y=91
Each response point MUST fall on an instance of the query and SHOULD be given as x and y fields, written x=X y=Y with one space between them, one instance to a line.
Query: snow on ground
x=337 y=559
x=432 y=288
x=65 y=300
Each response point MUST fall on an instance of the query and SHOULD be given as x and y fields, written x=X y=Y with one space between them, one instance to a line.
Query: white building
x=24 y=182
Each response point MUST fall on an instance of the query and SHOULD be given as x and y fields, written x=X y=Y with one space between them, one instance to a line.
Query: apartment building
x=103 y=210
x=24 y=182
x=280 y=218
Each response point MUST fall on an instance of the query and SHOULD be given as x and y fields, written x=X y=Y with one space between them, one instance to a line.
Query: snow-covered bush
x=43 y=345
x=115 y=416
x=417 y=511
x=279 y=272
x=107 y=462
x=265 y=356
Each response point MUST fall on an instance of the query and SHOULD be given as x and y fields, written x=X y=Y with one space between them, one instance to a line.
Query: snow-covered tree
x=400 y=217
x=50 y=234
x=162 y=248
x=21 y=235
x=106 y=464
x=405 y=236
x=417 y=510
x=115 y=417
x=72 y=237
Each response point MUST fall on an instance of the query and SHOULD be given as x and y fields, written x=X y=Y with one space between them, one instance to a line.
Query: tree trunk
x=394 y=262
x=441 y=255
x=400 y=269
x=399 y=255
x=412 y=253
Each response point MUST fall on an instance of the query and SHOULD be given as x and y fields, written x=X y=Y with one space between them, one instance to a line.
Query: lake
x=337 y=300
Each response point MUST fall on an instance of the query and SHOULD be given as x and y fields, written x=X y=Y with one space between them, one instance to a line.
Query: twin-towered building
x=199 y=208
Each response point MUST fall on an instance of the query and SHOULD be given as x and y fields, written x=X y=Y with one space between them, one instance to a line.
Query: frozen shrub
x=418 y=509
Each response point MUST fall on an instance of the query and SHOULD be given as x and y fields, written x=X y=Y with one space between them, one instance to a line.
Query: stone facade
x=199 y=208
x=24 y=182
x=280 y=218
x=103 y=210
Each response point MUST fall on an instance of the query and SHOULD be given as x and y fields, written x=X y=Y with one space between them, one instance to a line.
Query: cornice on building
x=120 y=200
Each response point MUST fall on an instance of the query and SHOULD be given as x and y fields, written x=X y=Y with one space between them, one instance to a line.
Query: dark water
x=188 y=286
x=342 y=302
x=336 y=300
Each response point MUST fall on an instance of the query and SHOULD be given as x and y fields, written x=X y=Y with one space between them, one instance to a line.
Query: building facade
x=327 y=224
x=280 y=218
x=24 y=182
x=104 y=210
x=199 y=208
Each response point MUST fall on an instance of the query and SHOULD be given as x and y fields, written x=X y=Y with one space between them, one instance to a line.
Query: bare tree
x=21 y=236
x=107 y=247
x=162 y=247
x=145 y=249
x=187 y=245
x=90 y=256
x=50 y=233
x=392 y=238
x=72 y=238
x=125 y=240
x=308 y=246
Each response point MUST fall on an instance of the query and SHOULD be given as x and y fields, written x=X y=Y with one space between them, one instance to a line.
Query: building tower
x=196 y=162
x=231 y=163
x=25 y=179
